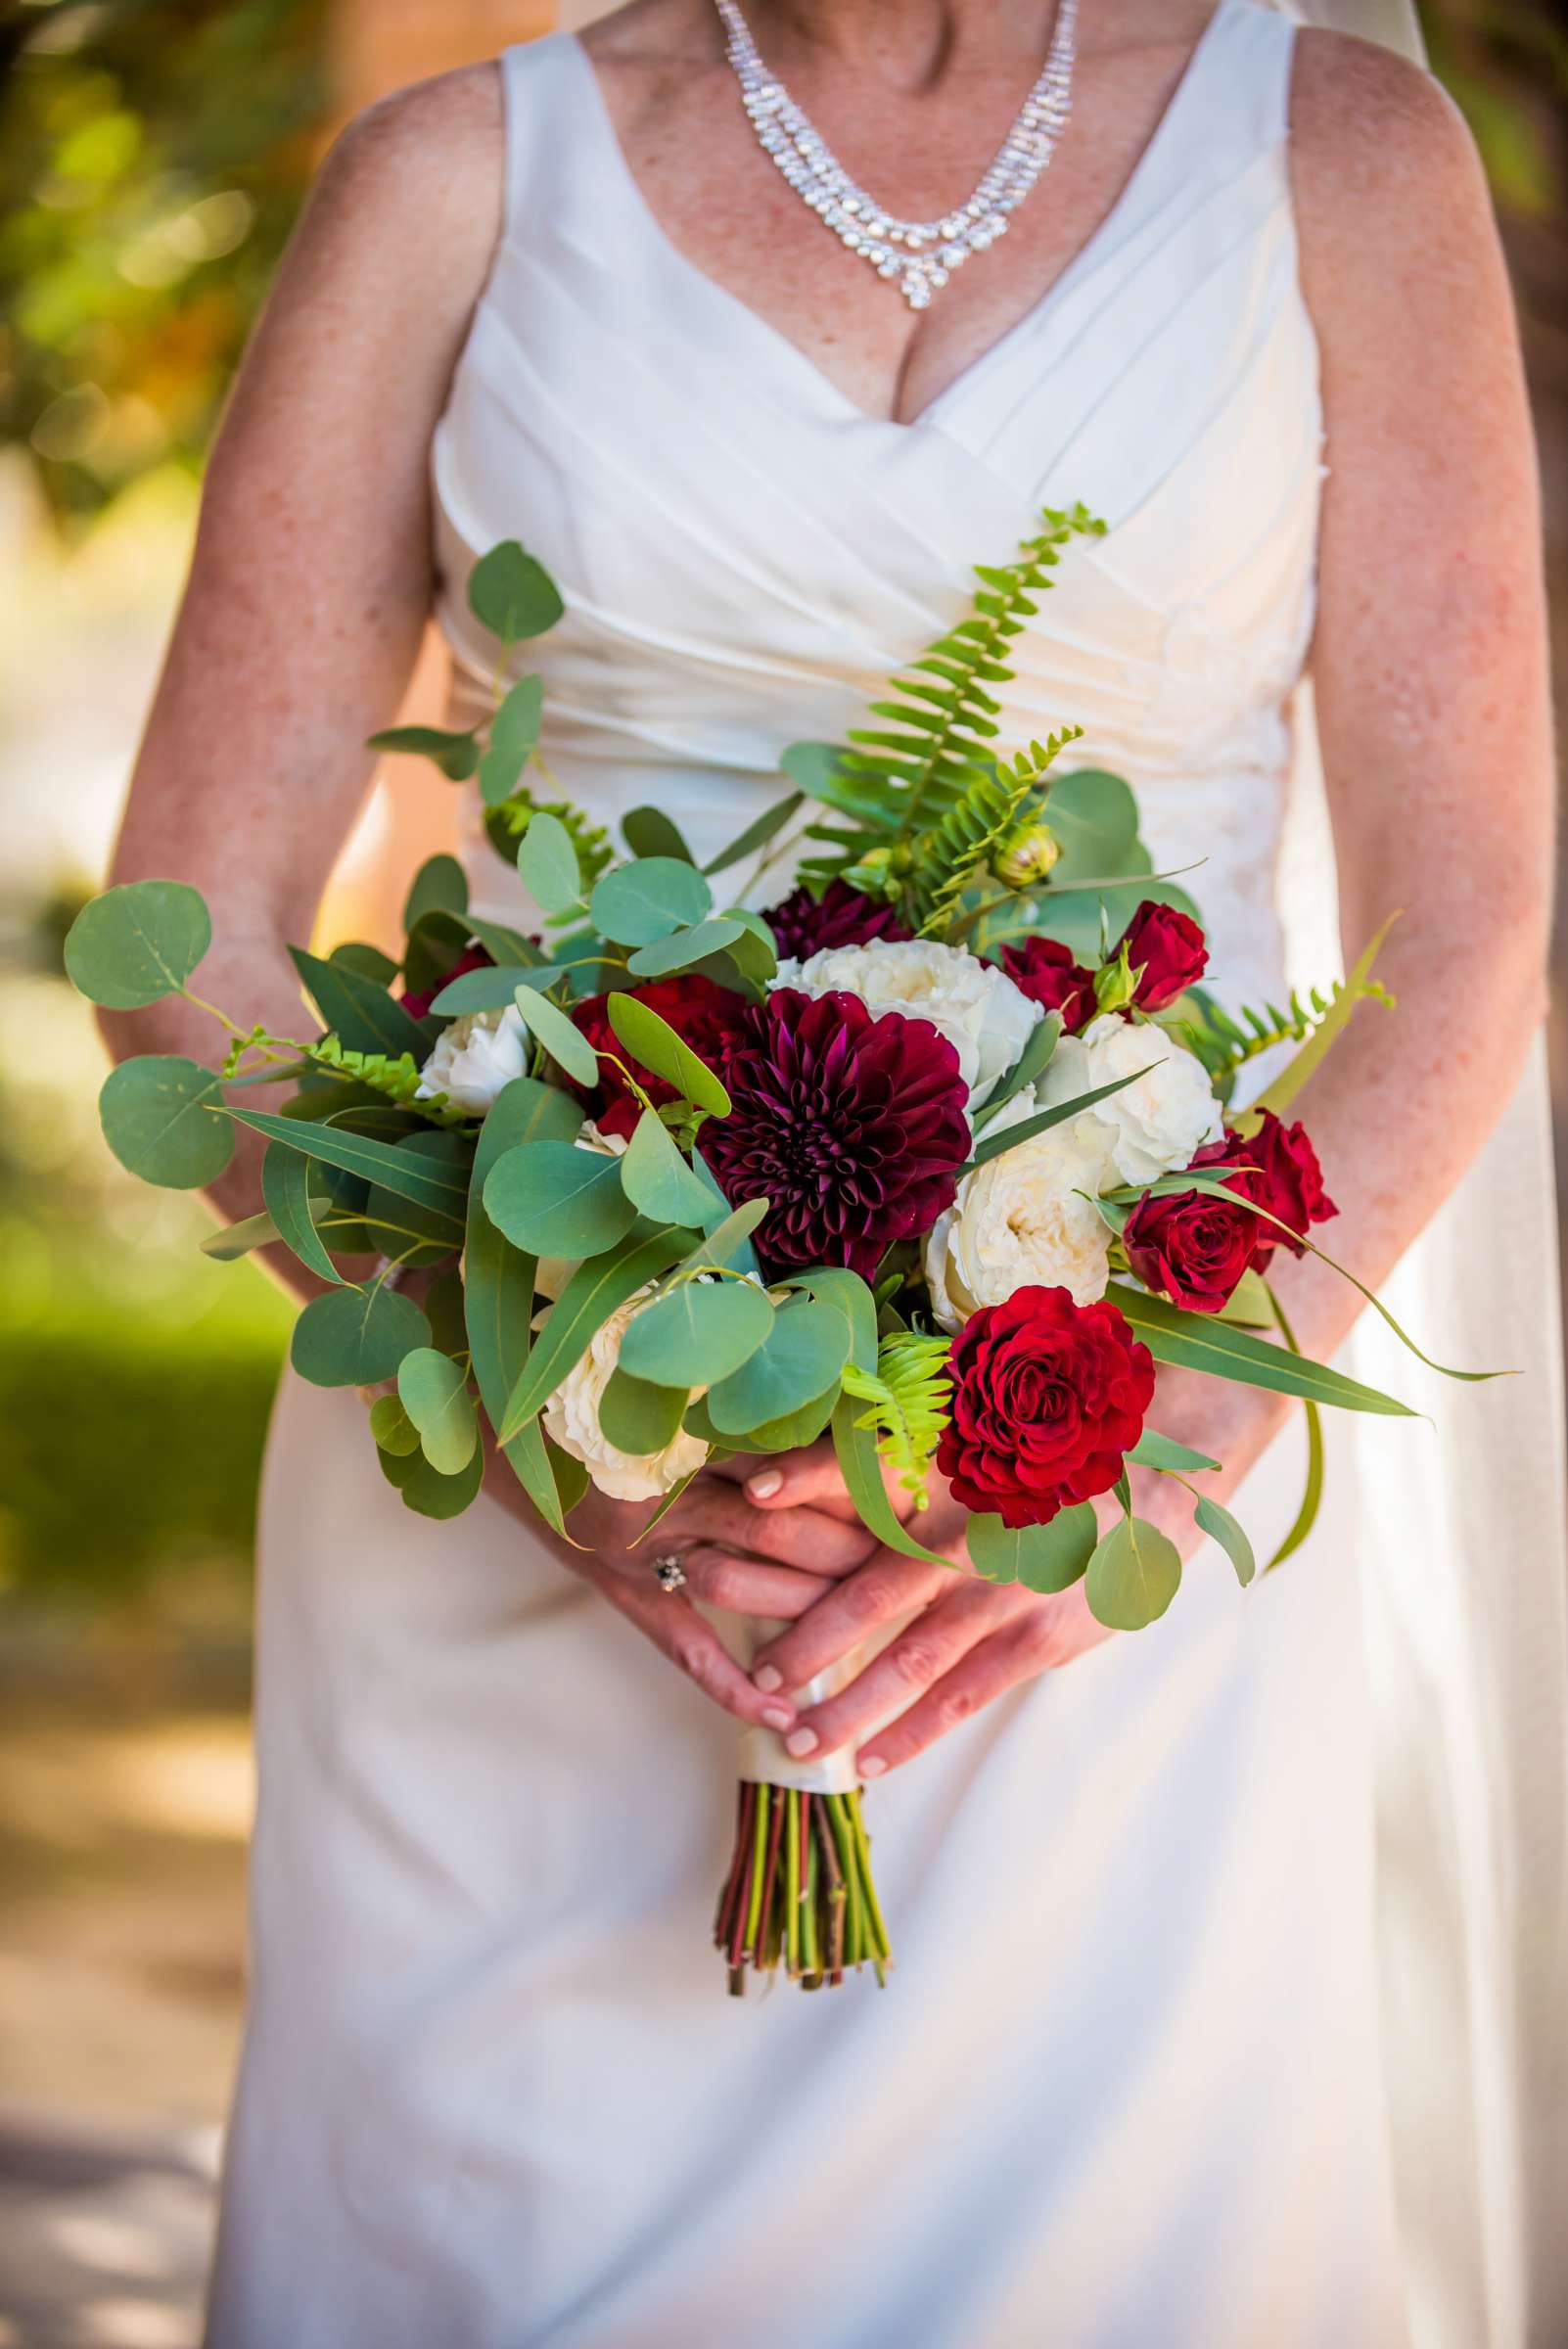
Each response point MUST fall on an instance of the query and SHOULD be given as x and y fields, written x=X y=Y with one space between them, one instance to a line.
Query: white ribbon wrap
x=761 y=1757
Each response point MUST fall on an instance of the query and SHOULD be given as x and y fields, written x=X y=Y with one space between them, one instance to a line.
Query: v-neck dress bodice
x=1126 y=2089
x=746 y=557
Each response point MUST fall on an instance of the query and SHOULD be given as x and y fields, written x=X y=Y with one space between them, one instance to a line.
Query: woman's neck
x=910 y=44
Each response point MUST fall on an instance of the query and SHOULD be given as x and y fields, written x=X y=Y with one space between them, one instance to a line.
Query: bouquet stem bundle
x=798 y=1892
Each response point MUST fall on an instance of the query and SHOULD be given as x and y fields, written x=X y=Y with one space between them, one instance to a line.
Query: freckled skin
x=311 y=586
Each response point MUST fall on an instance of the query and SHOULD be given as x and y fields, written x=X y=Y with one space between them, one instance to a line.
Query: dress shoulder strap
x=1253 y=47
x=540 y=95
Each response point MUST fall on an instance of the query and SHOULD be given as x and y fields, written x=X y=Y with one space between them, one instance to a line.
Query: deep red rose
x=1047 y=1398
x=1192 y=1247
x=1044 y=970
x=1284 y=1178
x=703 y=1014
x=852 y=1126
x=804 y=924
x=1167 y=950
x=418 y=1002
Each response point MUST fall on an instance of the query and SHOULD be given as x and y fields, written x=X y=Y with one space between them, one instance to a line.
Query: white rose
x=975 y=1006
x=570 y=1420
x=475 y=1058
x=1019 y=1219
x=1157 y=1123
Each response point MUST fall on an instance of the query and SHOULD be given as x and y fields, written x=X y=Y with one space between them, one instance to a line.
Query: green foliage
x=514 y=738
x=649 y=832
x=289 y=1188
x=433 y=1389
x=684 y=949
x=507 y=822
x=638 y=904
x=595 y=1290
x=407 y=1174
x=659 y=1182
x=1042 y=1557
x=1221 y=1526
x=512 y=594
x=456 y=756
x=697 y=1334
x=796 y=1366
x=1225 y=1045
x=162 y=1118
x=1203 y=1342
x=359 y=1011
x=639 y=1417
x=854 y=1447
x=957 y=851
x=499 y=1283
x=547 y=864
x=908 y=1393
x=357 y=1337
x=550 y=1198
x=1133 y=1576
x=549 y=1026
x=655 y=1045
x=440 y=885
x=138 y=942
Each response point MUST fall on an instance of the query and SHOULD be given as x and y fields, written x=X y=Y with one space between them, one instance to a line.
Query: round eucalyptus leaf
x=553 y=1199
x=697 y=1334
x=796 y=1364
x=357 y=1337
x=637 y=1417
x=429 y=1493
x=547 y=864
x=1042 y=1557
x=657 y=1179
x=440 y=886
x=648 y=898
x=434 y=1391
x=649 y=832
x=393 y=1429
x=137 y=942
x=513 y=595
x=164 y=1118
x=1133 y=1576
x=686 y=949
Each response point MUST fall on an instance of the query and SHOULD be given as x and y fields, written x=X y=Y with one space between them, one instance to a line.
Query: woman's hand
x=746 y=1560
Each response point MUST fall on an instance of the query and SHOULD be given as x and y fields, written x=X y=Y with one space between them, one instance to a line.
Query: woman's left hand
x=965 y=1643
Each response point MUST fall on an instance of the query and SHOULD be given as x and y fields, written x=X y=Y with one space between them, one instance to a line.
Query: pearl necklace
x=921 y=255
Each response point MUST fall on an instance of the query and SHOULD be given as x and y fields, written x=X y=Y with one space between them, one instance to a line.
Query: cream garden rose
x=571 y=1419
x=976 y=1006
x=475 y=1058
x=1155 y=1124
x=1021 y=1218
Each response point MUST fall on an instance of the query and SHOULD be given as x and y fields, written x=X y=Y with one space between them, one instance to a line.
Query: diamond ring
x=671 y=1572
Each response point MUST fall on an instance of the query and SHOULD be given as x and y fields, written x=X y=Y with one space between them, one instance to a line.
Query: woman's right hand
x=740 y=1559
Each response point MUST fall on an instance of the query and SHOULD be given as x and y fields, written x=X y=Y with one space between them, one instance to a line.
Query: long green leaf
x=993 y=1144
x=757 y=835
x=1312 y=1498
x=594 y=1293
x=1305 y=1063
x=498 y=1290
x=285 y=1191
x=361 y=1015
x=861 y=1466
x=411 y=1176
x=1201 y=1342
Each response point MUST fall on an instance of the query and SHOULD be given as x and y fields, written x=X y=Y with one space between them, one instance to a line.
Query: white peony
x=570 y=1420
x=1155 y=1124
x=475 y=1058
x=975 y=1006
x=1020 y=1219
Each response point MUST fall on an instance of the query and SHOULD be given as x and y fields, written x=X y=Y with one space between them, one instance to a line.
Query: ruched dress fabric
x=1126 y=2089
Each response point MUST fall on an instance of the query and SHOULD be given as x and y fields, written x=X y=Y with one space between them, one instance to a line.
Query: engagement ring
x=671 y=1572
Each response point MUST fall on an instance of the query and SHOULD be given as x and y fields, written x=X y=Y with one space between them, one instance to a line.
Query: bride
x=1229 y=1955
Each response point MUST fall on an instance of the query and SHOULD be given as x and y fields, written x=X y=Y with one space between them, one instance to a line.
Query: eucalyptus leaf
x=1203 y=1342
x=357 y=1337
x=512 y=594
x=164 y=1118
x=369 y=961
x=1042 y=1557
x=434 y=1391
x=756 y=834
x=649 y=832
x=640 y=902
x=547 y=864
x=553 y=1199
x=235 y=1240
x=429 y=1494
x=419 y=1232
x=289 y=1186
x=685 y=949
x=728 y=1244
x=514 y=738
x=361 y=1014
x=992 y=1146
x=393 y=1429
x=594 y=1292
x=797 y=1364
x=565 y=1045
x=412 y=1176
x=506 y=945
x=1220 y=1525
x=498 y=1282
x=1095 y=819
x=1164 y=1454
x=697 y=1334
x=655 y=1045
x=849 y=1295
x=1034 y=1060
x=440 y=886
x=637 y=1417
x=456 y=755
x=861 y=1465
x=657 y=1179
x=491 y=988
x=138 y=942
x=1133 y=1576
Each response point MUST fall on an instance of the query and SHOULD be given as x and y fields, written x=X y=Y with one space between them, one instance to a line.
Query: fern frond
x=908 y=1394
x=979 y=828
x=397 y=1080
x=939 y=717
x=1225 y=1045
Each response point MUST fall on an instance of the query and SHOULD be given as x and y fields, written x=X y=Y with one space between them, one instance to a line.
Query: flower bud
x=1116 y=984
x=1028 y=855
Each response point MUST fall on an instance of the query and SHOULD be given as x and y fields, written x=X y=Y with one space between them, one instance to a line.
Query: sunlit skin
x=311 y=586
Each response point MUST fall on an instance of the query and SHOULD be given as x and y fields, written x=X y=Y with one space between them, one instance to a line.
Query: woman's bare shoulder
x=1368 y=124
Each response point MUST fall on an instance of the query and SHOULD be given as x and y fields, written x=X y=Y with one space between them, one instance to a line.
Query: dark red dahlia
x=1044 y=970
x=1047 y=1398
x=1168 y=951
x=1283 y=1176
x=703 y=1014
x=852 y=1126
x=804 y=924
x=417 y=1002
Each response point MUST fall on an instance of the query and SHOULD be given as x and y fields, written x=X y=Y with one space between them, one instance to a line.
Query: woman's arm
x=1431 y=675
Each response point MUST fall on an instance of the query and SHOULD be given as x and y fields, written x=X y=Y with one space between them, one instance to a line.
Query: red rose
x=1192 y=1247
x=1044 y=970
x=418 y=1002
x=1047 y=1397
x=703 y=1014
x=1167 y=951
x=1284 y=1178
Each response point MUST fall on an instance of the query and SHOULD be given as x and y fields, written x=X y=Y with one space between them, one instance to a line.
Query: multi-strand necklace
x=921 y=255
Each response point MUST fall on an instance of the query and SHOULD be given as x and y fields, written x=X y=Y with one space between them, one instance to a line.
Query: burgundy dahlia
x=417 y=1001
x=853 y=1126
x=804 y=924
x=702 y=1015
x=1044 y=970
x=1283 y=1176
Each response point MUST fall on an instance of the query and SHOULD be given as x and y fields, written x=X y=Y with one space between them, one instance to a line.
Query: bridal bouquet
x=934 y=1153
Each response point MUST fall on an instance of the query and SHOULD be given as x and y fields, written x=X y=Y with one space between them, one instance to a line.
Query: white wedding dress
x=1141 y=2079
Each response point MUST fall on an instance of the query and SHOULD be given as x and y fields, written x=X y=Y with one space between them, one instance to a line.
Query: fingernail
x=765 y=1484
x=871 y=1766
x=777 y=1716
x=766 y=1679
x=804 y=1742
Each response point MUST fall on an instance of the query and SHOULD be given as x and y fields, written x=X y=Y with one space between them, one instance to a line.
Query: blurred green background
x=152 y=156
